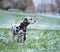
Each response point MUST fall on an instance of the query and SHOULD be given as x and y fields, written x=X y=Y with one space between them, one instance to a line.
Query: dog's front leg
x=18 y=39
x=20 y=34
x=24 y=37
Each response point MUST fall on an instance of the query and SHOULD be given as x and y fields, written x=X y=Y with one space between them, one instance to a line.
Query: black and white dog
x=20 y=30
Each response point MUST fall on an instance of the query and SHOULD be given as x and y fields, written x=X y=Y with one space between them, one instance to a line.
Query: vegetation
x=38 y=40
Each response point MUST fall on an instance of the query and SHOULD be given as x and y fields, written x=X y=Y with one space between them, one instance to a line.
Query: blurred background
x=43 y=36
x=31 y=6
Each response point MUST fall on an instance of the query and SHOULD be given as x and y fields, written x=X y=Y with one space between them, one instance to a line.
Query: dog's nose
x=34 y=20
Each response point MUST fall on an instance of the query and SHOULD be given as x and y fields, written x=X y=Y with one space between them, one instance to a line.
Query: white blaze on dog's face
x=30 y=20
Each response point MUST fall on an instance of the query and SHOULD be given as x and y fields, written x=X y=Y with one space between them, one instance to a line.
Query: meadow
x=43 y=36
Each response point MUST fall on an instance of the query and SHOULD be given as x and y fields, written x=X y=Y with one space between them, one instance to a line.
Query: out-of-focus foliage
x=15 y=4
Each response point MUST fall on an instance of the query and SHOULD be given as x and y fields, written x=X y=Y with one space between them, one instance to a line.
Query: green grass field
x=45 y=38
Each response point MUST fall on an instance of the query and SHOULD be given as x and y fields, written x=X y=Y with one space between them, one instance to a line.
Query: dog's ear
x=25 y=20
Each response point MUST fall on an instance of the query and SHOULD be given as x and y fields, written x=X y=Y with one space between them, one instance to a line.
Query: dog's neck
x=23 y=25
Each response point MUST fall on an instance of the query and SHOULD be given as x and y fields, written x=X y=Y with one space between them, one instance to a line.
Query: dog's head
x=29 y=20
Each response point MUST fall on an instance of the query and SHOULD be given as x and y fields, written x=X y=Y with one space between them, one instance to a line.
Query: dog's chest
x=24 y=29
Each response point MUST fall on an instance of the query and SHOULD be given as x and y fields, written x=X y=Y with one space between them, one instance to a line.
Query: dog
x=20 y=30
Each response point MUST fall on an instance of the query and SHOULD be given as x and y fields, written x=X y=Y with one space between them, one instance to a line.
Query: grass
x=38 y=40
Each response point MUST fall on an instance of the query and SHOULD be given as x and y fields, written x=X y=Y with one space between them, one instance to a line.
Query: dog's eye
x=31 y=19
